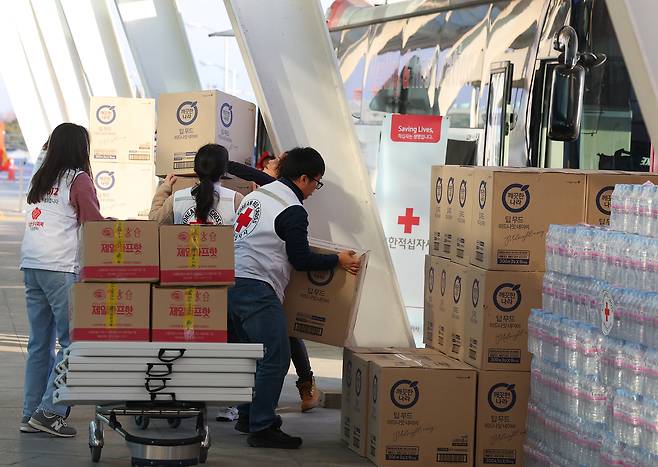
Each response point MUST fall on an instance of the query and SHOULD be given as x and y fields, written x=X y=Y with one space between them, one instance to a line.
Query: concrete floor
x=319 y=428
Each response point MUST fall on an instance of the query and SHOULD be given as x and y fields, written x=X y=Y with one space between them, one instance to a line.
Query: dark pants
x=256 y=316
x=299 y=356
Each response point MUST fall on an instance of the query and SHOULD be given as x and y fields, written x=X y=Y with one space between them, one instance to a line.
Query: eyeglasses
x=319 y=183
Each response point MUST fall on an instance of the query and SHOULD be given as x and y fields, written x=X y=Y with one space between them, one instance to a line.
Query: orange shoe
x=309 y=394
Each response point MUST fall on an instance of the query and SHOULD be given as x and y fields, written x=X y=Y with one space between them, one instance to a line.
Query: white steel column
x=288 y=53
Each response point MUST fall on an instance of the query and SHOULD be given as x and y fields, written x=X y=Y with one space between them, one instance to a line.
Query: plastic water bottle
x=646 y=209
x=590 y=349
x=632 y=367
x=594 y=396
x=650 y=374
x=611 y=362
x=627 y=417
x=617 y=220
x=650 y=338
x=649 y=437
x=534 y=333
x=569 y=357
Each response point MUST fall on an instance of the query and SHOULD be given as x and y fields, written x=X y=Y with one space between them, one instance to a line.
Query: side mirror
x=566 y=105
x=567 y=89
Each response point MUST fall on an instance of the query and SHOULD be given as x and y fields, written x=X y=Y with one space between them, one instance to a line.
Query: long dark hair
x=68 y=149
x=209 y=165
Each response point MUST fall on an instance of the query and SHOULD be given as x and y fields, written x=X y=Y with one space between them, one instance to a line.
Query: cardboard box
x=348 y=384
x=430 y=285
x=189 y=314
x=502 y=407
x=321 y=305
x=496 y=324
x=125 y=191
x=421 y=411
x=196 y=255
x=189 y=120
x=437 y=215
x=513 y=211
x=462 y=211
x=121 y=130
x=232 y=183
x=119 y=251
x=109 y=312
x=455 y=304
x=441 y=303
x=354 y=409
x=600 y=185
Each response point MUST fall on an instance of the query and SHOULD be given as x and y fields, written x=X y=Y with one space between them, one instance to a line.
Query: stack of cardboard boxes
x=484 y=275
x=140 y=282
x=408 y=407
x=121 y=132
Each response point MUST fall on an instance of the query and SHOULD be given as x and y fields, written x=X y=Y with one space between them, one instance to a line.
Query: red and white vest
x=222 y=213
x=259 y=252
x=51 y=230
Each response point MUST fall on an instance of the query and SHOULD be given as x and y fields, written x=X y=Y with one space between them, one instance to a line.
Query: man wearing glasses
x=271 y=238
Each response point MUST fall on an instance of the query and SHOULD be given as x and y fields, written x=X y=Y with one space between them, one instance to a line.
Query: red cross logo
x=243 y=220
x=606 y=311
x=408 y=220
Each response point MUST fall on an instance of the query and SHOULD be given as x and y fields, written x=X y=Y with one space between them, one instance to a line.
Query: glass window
x=495 y=129
x=380 y=93
x=351 y=62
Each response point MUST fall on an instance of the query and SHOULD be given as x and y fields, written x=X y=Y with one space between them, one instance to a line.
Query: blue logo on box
x=226 y=114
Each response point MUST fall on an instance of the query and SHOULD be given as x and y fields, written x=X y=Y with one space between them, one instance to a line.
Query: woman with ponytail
x=207 y=202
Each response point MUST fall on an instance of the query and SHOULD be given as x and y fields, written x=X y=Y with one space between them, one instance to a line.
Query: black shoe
x=242 y=425
x=273 y=438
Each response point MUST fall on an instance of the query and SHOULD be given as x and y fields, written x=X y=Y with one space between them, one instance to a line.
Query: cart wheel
x=142 y=422
x=174 y=422
x=95 y=453
x=203 y=455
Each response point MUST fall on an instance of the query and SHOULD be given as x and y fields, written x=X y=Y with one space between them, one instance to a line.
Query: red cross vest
x=222 y=213
x=51 y=230
x=259 y=252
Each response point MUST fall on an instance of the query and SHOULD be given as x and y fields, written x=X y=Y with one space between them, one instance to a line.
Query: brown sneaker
x=309 y=394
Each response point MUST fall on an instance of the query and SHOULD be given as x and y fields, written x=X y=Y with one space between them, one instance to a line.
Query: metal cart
x=150 y=451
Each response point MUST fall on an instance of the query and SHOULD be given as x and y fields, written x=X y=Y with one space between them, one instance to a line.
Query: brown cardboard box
x=502 y=406
x=462 y=212
x=187 y=121
x=243 y=187
x=437 y=214
x=189 y=314
x=430 y=285
x=196 y=255
x=600 y=185
x=119 y=251
x=455 y=304
x=109 y=312
x=450 y=204
x=441 y=303
x=348 y=385
x=496 y=320
x=421 y=411
x=354 y=409
x=321 y=305
x=513 y=211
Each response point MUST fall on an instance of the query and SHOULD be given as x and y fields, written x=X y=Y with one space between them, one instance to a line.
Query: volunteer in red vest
x=62 y=196
x=271 y=238
x=206 y=203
